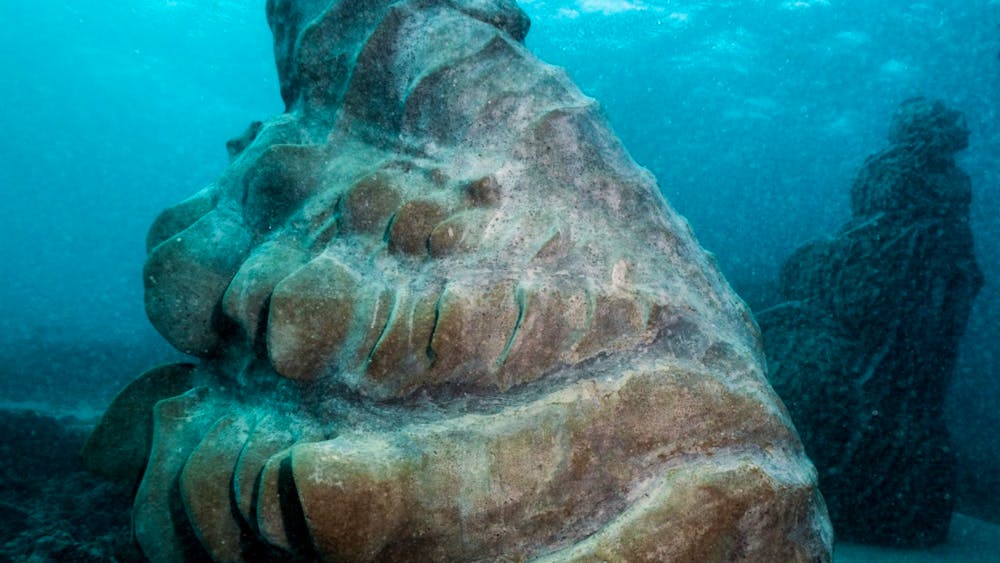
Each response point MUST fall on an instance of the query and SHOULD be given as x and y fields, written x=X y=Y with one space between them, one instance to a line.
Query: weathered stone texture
x=442 y=315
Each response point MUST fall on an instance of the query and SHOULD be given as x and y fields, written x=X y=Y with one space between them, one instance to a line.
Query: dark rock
x=864 y=350
x=50 y=508
x=35 y=448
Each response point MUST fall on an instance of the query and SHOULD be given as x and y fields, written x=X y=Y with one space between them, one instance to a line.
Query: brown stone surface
x=450 y=319
x=205 y=489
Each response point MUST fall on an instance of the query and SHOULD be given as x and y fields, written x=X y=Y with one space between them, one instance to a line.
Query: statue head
x=929 y=126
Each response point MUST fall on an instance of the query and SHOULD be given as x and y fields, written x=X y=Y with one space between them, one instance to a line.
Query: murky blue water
x=753 y=115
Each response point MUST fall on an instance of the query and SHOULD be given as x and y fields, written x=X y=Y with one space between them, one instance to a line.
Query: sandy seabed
x=969 y=541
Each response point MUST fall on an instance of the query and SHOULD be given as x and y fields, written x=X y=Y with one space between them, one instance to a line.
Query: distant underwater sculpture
x=441 y=315
x=864 y=348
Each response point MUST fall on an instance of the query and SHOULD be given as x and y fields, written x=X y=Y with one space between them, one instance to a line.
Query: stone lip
x=442 y=315
x=863 y=350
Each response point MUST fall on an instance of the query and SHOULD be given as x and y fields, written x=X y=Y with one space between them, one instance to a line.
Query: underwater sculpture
x=864 y=348
x=443 y=316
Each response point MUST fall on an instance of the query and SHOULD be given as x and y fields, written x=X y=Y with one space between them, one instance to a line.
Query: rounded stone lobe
x=413 y=225
x=485 y=191
x=310 y=317
x=186 y=276
x=370 y=204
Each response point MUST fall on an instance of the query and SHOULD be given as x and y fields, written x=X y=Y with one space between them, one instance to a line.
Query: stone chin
x=442 y=315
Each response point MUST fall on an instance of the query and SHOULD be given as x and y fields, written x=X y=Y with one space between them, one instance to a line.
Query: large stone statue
x=864 y=348
x=443 y=316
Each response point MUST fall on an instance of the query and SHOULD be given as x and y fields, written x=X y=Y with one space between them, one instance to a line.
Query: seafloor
x=50 y=509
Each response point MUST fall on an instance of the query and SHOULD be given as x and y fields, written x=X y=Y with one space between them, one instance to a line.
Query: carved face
x=443 y=315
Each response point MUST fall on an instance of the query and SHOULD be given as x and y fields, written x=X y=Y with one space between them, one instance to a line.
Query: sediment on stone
x=442 y=315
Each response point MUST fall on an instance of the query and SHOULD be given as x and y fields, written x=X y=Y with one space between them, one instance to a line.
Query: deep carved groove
x=385 y=328
x=521 y=299
x=431 y=354
x=294 y=519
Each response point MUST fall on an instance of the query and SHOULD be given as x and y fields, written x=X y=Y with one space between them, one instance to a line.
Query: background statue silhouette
x=863 y=349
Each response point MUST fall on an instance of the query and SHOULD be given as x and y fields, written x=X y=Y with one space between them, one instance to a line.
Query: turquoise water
x=753 y=115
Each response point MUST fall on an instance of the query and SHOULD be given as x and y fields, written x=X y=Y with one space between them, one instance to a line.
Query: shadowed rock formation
x=50 y=508
x=443 y=316
x=864 y=348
